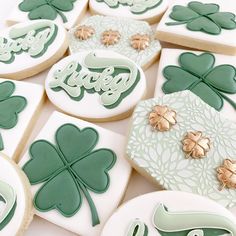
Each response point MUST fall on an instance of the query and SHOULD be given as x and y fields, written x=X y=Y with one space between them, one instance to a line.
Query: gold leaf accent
x=226 y=174
x=140 y=41
x=196 y=145
x=162 y=118
x=84 y=32
x=110 y=37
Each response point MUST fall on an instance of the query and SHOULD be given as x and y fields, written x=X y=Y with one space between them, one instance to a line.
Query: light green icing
x=127 y=28
x=8 y=196
x=195 y=222
x=136 y=7
x=33 y=39
x=137 y=228
x=160 y=154
x=112 y=78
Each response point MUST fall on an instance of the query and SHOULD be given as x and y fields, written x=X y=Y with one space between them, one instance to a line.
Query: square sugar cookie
x=63 y=12
x=78 y=173
x=19 y=106
x=205 y=25
x=210 y=76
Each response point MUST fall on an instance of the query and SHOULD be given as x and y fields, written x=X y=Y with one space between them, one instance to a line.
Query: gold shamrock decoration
x=162 y=118
x=110 y=37
x=140 y=41
x=84 y=32
x=196 y=145
x=226 y=174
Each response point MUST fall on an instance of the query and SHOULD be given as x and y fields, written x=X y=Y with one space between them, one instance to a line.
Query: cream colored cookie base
x=171 y=57
x=107 y=202
x=12 y=174
x=32 y=66
x=73 y=17
x=224 y=43
x=143 y=208
x=15 y=138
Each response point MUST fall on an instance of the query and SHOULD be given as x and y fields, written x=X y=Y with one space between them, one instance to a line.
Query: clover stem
x=231 y=102
x=95 y=218
x=1 y=143
x=176 y=23
x=64 y=19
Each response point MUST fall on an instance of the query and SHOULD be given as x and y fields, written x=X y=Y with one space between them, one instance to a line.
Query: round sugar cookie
x=96 y=85
x=167 y=213
x=15 y=199
x=29 y=48
x=148 y=10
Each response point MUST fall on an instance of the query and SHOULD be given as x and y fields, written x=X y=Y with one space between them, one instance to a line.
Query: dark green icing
x=73 y=162
x=47 y=9
x=203 y=17
x=198 y=74
x=10 y=107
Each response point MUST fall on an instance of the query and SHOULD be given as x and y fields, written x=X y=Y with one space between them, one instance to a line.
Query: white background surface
x=137 y=186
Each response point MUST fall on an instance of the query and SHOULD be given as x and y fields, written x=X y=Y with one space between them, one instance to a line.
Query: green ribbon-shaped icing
x=137 y=228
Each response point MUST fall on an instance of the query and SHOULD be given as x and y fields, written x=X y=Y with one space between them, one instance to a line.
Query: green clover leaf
x=10 y=107
x=198 y=74
x=203 y=17
x=70 y=166
x=46 y=9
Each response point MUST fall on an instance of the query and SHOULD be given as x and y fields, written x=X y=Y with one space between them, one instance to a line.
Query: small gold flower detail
x=196 y=145
x=84 y=32
x=140 y=41
x=162 y=118
x=226 y=174
x=110 y=37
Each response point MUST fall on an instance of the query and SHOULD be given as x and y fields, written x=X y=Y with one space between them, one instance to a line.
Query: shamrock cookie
x=39 y=44
x=67 y=12
x=131 y=38
x=90 y=163
x=19 y=104
x=210 y=76
x=181 y=143
x=96 y=85
x=148 y=10
x=15 y=199
x=205 y=25
x=167 y=213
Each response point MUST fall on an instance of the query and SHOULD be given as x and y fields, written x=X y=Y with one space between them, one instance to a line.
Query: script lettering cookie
x=210 y=76
x=39 y=44
x=96 y=85
x=19 y=104
x=170 y=213
x=183 y=144
x=15 y=199
x=148 y=10
x=204 y=25
x=90 y=163
x=131 y=38
x=66 y=12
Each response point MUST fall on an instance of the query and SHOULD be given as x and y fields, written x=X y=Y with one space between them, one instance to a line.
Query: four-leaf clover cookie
x=198 y=74
x=69 y=170
x=10 y=107
x=203 y=17
x=47 y=9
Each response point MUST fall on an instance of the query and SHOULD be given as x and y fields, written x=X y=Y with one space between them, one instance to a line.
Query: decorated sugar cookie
x=67 y=12
x=210 y=76
x=15 y=199
x=183 y=144
x=205 y=25
x=148 y=10
x=96 y=85
x=131 y=38
x=19 y=104
x=90 y=163
x=170 y=213
x=38 y=44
